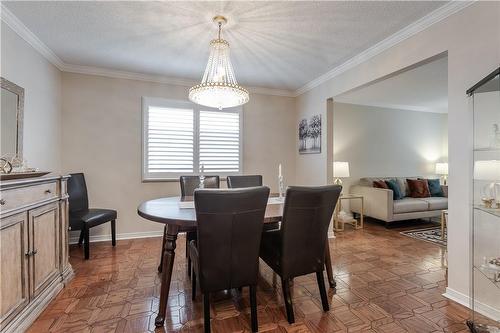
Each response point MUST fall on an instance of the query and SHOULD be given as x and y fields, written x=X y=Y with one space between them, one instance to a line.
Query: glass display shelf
x=492 y=274
x=488 y=149
x=484 y=101
x=492 y=211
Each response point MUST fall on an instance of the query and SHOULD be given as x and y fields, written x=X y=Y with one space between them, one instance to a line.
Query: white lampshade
x=441 y=168
x=341 y=169
x=487 y=170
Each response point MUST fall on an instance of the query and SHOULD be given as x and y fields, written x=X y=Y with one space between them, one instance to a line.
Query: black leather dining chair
x=249 y=181
x=226 y=253
x=298 y=248
x=188 y=185
x=244 y=181
x=81 y=217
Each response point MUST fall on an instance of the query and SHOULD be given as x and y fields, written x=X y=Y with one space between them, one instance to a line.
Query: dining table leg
x=328 y=264
x=166 y=275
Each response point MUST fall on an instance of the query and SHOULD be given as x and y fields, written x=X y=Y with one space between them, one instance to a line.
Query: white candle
x=279 y=170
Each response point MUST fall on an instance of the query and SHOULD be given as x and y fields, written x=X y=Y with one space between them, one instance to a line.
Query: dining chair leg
x=253 y=308
x=86 y=243
x=189 y=266
x=328 y=265
x=80 y=240
x=113 y=232
x=160 y=266
x=193 y=285
x=322 y=290
x=206 y=312
x=285 y=285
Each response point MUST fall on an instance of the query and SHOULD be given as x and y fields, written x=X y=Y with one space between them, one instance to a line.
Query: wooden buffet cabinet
x=34 y=263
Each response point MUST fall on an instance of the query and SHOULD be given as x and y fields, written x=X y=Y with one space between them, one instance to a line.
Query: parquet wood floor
x=386 y=283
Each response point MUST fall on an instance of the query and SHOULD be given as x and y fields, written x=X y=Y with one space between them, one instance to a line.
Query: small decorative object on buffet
x=281 y=185
x=14 y=167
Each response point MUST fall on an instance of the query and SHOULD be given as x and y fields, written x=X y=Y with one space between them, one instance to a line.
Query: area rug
x=431 y=235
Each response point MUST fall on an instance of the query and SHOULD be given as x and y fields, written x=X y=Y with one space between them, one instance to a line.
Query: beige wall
x=387 y=142
x=472 y=38
x=41 y=81
x=102 y=138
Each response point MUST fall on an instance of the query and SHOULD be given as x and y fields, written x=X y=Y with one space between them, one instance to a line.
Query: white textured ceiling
x=274 y=44
x=423 y=88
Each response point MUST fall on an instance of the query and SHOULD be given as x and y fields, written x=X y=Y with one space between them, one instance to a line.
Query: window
x=182 y=138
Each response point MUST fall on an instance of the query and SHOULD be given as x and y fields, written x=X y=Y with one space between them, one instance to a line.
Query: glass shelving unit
x=485 y=228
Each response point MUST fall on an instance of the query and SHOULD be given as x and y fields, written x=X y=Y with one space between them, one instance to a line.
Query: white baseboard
x=129 y=235
x=479 y=307
x=331 y=234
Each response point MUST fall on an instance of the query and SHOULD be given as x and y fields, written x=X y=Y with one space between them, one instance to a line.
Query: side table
x=444 y=219
x=357 y=224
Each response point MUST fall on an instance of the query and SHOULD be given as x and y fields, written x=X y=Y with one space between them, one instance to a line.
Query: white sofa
x=379 y=203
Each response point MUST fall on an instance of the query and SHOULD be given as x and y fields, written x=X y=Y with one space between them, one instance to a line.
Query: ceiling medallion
x=218 y=87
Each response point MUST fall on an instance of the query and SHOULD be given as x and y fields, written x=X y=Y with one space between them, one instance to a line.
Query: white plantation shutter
x=170 y=140
x=178 y=138
x=219 y=141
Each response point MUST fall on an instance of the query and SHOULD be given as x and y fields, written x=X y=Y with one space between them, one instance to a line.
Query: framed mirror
x=12 y=103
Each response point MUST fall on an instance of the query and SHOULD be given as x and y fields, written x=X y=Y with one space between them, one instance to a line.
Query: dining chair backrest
x=244 y=181
x=191 y=183
x=229 y=233
x=77 y=192
x=306 y=216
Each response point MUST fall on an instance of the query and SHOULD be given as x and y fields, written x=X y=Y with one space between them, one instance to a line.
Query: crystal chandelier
x=218 y=88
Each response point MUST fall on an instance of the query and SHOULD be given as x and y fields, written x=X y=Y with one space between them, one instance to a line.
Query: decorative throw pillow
x=435 y=188
x=403 y=185
x=393 y=185
x=418 y=188
x=379 y=184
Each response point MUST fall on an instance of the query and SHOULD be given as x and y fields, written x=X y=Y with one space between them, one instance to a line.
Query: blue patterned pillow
x=396 y=190
x=435 y=188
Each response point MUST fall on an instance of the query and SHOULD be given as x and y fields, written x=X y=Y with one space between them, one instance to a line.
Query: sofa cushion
x=396 y=190
x=380 y=184
x=418 y=188
x=435 y=188
x=408 y=205
x=436 y=203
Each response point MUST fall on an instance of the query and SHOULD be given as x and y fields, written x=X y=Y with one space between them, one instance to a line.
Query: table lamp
x=488 y=170
x=442 y=170
x=340 y=170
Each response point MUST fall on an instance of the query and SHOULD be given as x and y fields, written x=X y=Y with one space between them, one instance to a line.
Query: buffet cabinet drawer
x=25 y=196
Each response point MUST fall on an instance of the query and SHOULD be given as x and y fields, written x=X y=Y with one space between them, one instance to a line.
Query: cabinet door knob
x=34 y=252
x=27 y=254
x=2 y=202
x=48 y=191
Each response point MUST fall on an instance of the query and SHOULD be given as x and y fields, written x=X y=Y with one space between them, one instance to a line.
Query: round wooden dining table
x=171 y=212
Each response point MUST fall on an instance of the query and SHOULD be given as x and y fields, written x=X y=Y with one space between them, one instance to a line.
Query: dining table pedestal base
x=167 y=267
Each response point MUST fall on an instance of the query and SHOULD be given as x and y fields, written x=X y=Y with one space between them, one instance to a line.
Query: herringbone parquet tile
x=386 y=283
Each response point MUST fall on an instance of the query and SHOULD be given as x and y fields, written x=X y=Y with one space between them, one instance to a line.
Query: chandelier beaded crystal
x=218 y=87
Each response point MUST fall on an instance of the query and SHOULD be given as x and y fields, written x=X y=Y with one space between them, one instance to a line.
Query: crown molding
x=117 y=74
x=99 y=71
x=19 y=28
x=423 y=23
x=434 y=17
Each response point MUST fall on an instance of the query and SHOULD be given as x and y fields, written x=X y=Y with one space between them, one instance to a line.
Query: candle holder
x=202 y=182
x=281 y=187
